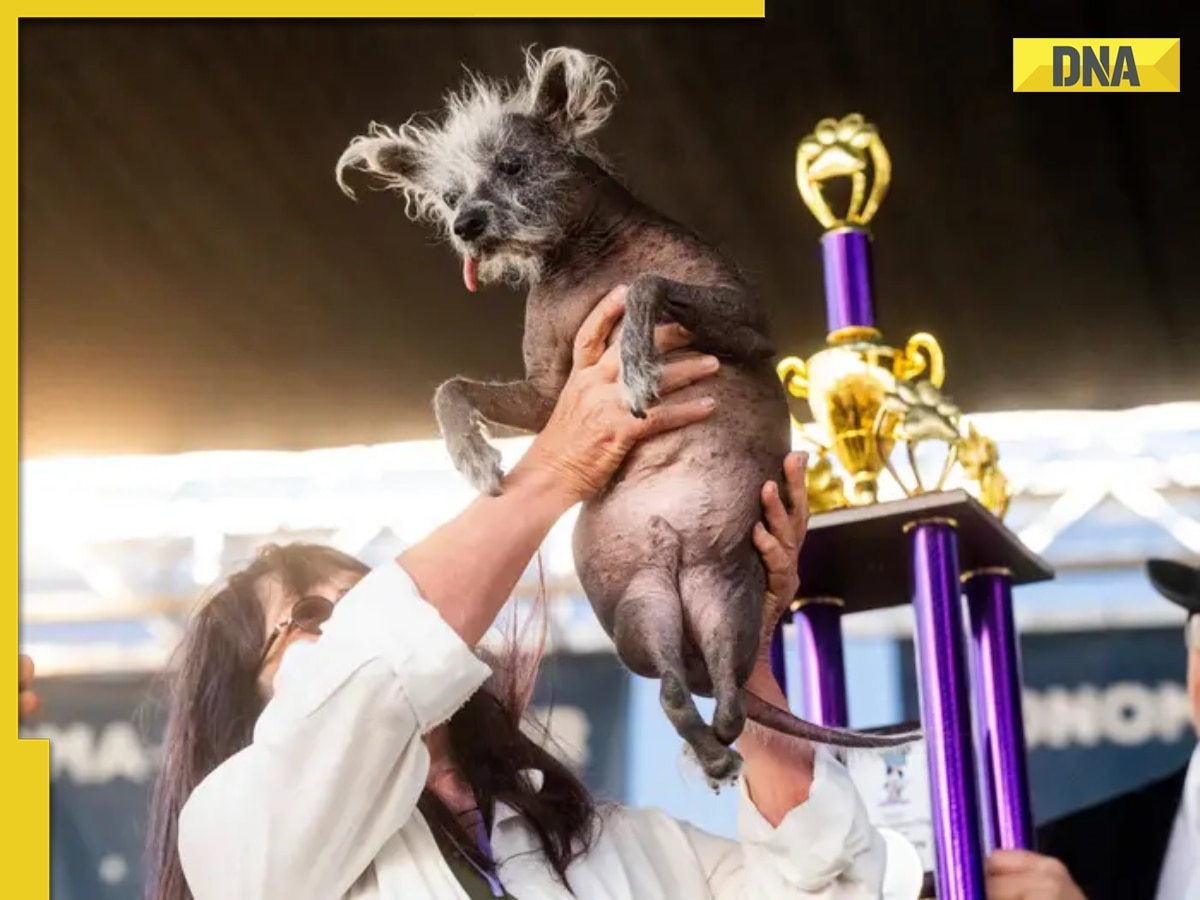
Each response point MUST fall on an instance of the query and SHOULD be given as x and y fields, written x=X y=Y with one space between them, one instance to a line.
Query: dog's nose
x=470 y=224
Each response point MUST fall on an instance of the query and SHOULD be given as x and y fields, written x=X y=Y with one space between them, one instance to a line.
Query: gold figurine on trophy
x=980 y=462
x=864 y=395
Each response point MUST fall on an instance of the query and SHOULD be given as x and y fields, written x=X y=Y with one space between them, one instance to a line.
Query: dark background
x=191 y=277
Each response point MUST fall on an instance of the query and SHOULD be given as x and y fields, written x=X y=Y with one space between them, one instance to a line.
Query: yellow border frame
x=450 y=9
x=24 y=764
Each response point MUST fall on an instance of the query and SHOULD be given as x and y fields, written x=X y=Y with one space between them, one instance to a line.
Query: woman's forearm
x=467 y=568
x=779 y=768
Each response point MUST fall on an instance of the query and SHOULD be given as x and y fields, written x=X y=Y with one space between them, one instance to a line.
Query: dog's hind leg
x=650 y=613
x=650 y=627
x=723 y=605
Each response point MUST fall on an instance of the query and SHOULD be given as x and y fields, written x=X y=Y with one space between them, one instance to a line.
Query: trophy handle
x=948 y=466
x=793 y=372
x=858 y=195
x=882 y=164
x=911 y=448
x=878 y=436
x=921 y=353
x=810 y=190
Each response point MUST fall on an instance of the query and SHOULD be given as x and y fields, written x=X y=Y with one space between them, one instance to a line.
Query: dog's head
x=500 y=170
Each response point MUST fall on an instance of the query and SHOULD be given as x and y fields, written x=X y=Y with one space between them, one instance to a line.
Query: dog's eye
x=451 y=198
x=510 y=165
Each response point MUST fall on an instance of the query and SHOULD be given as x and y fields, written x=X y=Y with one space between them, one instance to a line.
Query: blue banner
x=1105 y=711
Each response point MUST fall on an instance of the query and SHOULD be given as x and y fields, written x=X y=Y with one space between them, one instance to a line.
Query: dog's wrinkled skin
x=665 y=552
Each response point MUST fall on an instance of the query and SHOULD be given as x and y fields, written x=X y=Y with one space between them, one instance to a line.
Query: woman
x=369 y=764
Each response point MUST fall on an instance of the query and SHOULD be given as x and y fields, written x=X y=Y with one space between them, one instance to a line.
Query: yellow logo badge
x=1044 y=65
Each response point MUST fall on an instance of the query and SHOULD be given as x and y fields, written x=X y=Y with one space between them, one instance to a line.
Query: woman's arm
x=823 y=849
x=337 y=763
x=467 y=568
x=778 y=769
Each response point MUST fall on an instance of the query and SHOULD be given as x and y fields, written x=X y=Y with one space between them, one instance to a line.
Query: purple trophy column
x=846 y=253
x=847 y=256
x=998 y=692
x=942 y=678
x=777 y=657
x=818 y=624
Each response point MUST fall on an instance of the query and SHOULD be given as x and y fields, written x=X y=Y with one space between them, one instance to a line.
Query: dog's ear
x=396 y=156
x=570 y=90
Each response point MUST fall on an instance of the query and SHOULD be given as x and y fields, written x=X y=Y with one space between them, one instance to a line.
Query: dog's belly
x=704 y=482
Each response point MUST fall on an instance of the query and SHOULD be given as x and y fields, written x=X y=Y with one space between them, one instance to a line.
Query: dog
x=513 y=178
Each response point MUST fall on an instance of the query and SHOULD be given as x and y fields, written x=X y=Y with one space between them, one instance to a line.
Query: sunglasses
x=308 y=615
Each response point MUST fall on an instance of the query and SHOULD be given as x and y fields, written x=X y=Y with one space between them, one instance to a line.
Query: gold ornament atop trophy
x=866 y=396
x=843 y=150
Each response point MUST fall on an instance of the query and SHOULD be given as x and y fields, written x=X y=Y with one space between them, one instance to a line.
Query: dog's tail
x=769 y=716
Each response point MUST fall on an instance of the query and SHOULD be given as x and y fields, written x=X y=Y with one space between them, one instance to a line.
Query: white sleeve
x=824 y=849
x=337 y=763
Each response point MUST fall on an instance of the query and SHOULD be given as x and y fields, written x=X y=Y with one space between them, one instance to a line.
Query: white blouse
x=322 y=804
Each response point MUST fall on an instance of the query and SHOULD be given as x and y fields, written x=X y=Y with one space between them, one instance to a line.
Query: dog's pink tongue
x=470 y=275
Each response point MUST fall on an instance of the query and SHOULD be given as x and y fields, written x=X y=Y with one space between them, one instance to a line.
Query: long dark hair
x=214 y=700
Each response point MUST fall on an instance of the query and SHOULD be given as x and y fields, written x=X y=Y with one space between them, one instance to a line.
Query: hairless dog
x=514 y=181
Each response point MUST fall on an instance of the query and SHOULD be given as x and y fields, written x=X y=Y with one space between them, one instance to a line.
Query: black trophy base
x=860 y=555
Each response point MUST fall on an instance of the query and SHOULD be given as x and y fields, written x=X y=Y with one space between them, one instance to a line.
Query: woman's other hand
x=592 y=429
x=1023 y=875
x=779 y=542
x=779 y=769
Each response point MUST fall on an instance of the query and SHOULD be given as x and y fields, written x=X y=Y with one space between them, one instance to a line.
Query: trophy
x=878 y=414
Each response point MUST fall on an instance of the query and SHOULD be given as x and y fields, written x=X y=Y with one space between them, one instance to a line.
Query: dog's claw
x=639 y=384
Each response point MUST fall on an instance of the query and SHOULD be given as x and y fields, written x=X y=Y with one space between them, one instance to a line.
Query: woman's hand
x=592 y=429
x=779 y=543
x=779 y=769
x=1023 y=875
x=27 y=700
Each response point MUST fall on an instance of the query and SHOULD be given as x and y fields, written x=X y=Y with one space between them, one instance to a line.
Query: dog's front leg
x=463 y=406
x=722 y=321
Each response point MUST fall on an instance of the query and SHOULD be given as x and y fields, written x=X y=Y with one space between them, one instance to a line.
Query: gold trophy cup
x=866 y=396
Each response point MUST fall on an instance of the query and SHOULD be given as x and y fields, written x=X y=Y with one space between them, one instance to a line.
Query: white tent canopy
x=138 y=538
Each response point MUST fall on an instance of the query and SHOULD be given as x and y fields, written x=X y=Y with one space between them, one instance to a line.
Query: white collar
x=535 y=778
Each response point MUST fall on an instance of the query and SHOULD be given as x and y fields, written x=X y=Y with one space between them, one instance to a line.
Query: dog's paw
x=479 y=462
x=719 y=771
x=726 y=773
x=639 y=381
